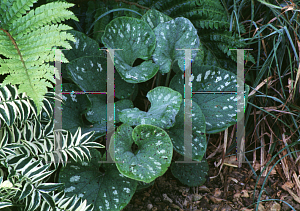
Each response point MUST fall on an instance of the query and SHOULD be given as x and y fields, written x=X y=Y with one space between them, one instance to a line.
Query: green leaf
x=83 y=47
x=179 y=33
x=176 y=133
x=121 y=105
x=27 y=189
x=143 y=185
x=35 y=32
x=191 y=174
x=92 y=106
x=74 y=106
x=124 y=90
x=137 y=40
x=35 y=200
x=49 y=199
x=90 y=73
x=153 y=17
x=154 y=154
x=220 y=110
x=48 y=187
x=107 y=189
x=5 y=204
x=165 y=104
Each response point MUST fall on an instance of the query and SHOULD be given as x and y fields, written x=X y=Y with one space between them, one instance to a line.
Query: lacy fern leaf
x=28 y=41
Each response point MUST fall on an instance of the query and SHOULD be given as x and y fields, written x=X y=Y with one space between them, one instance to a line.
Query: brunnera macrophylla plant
x=155 y=38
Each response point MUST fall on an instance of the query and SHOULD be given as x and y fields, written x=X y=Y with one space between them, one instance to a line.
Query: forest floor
x=230 y=189
x=168 y=194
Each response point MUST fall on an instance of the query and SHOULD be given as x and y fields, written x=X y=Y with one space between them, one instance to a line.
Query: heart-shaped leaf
x=79 y=110
x=90 y=73
x=101 y=185
x=191 y=174
x=165 y=104
x=73 y=107
x=83 y=47
x=179 y=33
x=137 y=40
x=150 y=160
x=219 y=109
x=176 y=133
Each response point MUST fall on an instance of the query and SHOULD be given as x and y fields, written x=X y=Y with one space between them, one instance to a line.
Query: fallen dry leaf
x=217 y=192
x=244 y=193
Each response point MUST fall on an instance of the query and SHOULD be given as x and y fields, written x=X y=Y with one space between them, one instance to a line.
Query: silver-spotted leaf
x=176 y=133
x=120 y=105
x=165 y=104
x=153 y=17
x=137 y=40
x=101 y=185
x=124 y=90
x=179 y=33
x=90 y=75
x=83 y=47
x=77 y=105
x=220 y=109
x=73 y=107
x=190 y=174
x=150 y=160
x=88 y=69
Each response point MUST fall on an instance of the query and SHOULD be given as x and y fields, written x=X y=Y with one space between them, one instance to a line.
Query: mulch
x=230 y=190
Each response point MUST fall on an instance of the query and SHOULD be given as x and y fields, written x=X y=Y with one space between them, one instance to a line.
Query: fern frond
x=7 y=191
x=10 y=106
x=207 y=4
x=31 y=192
x=47 y=14
x=27 y=41
x=224 y=37
x=34 y=141
x=27 y=151
x=210 y=24
x=4 y=6
x=204 y=13
x=15 y=11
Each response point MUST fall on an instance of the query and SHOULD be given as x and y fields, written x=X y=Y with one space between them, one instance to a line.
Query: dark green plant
x=140 y=30
x=211 y=113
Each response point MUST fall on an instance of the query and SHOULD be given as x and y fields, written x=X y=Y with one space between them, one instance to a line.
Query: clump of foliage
x=150 y=32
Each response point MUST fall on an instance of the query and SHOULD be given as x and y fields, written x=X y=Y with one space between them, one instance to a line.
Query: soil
x=232 y=190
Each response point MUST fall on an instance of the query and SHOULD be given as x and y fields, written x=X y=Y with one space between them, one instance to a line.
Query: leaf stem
x=158 y=79
x=168 y=78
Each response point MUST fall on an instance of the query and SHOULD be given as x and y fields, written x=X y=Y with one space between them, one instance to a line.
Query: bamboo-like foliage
x=27 y=151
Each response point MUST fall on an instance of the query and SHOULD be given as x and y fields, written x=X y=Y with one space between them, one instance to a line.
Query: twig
x=178 y=203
